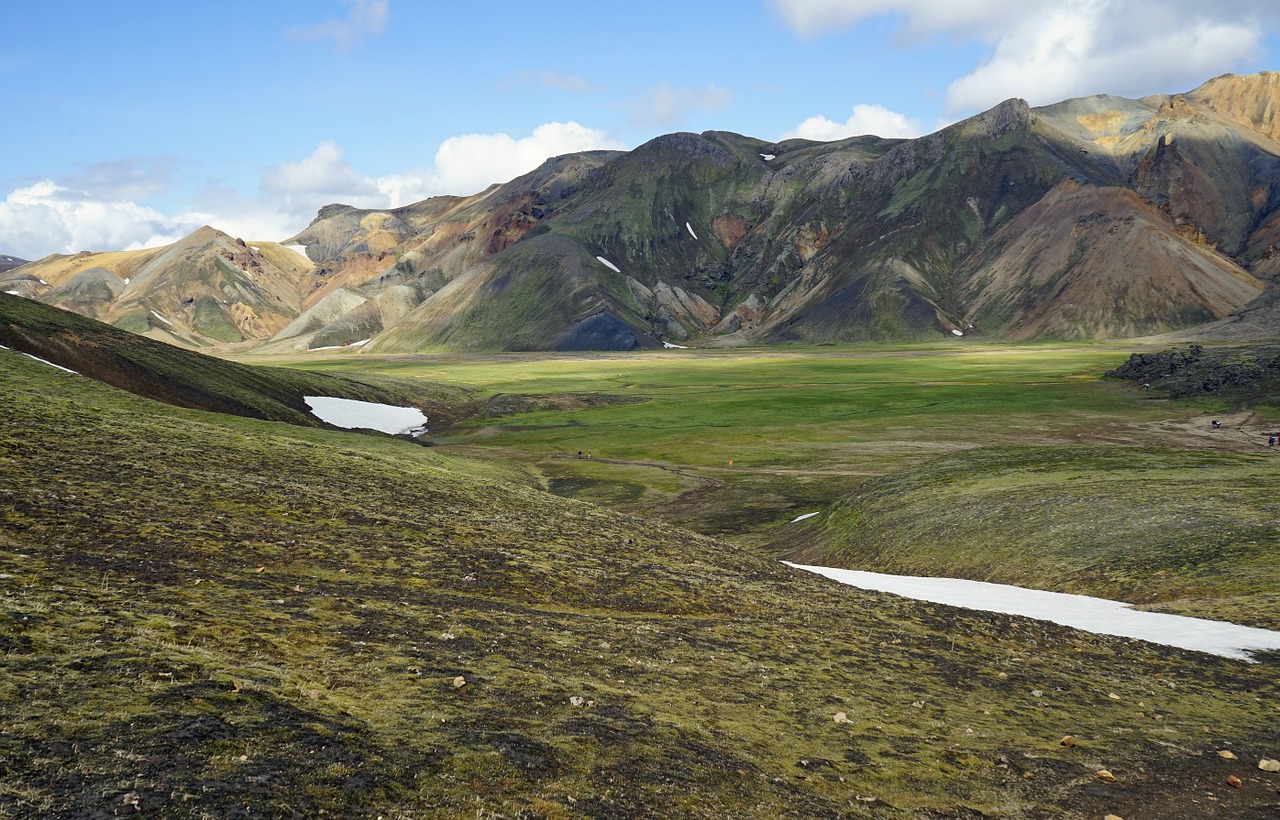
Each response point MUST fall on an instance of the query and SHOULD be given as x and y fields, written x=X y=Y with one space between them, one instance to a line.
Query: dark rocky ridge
x=1245 y=375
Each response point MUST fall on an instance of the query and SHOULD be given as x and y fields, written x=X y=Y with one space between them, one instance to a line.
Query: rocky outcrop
x=1236 y=374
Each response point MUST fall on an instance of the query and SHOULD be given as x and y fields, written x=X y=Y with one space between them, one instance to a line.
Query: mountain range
x=1096 y=217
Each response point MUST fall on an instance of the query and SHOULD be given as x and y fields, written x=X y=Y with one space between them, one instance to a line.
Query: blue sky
x=131 y=124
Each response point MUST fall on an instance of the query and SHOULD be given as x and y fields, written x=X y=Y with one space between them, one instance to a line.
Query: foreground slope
x=189 y=379
x=204 y=614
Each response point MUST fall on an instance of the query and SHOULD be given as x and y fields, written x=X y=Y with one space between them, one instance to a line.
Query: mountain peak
x=1251 y=100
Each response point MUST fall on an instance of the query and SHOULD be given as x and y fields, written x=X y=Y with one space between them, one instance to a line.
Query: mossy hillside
x=190 y=379
x=207 y=615
x=1190 y=531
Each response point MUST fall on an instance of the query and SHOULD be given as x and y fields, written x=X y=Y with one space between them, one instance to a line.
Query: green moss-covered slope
x=1190 y=531
x=208 y=615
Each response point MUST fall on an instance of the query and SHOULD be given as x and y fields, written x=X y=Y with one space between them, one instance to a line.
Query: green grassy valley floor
x=210 y=616
x=802 y=427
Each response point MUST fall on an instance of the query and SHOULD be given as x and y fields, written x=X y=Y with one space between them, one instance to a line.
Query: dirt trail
x=1237 y=431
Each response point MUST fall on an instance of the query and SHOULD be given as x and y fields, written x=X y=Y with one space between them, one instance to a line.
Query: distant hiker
x=1271 y=441
x=579 y=454
x=1216 y=424
x=588 y=454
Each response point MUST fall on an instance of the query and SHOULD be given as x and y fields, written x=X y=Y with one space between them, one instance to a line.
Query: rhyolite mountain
x=205 y=289
x=8 y=262
x=1096 y=217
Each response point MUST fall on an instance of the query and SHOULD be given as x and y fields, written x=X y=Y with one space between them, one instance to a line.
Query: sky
x=131 y=124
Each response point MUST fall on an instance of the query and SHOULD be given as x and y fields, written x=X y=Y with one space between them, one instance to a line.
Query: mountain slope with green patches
x=206 y=290
x=1093 y=218
x=1096 y=217
x=190 y=379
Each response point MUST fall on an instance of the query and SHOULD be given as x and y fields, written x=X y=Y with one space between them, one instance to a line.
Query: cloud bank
x=865 y=119
x=45 y=218
x=1048 y=50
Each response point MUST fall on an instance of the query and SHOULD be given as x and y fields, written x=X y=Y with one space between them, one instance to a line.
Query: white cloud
x=1048 y=50
x=323 y=172
x=364 y=18
x=471 y=162
x=47 y=218
x=865 y=119
x=1087 y=46
x=666 y=107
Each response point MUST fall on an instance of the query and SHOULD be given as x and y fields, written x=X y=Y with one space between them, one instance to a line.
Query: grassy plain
x=1010 y=463
x=802 y=427
x=207 y=615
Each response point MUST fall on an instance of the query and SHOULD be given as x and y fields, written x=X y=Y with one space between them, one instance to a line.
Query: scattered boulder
x=1106 y=775
x=1227 y=755
x=1234 y=781
x=1266 y=764
x=459 y=682
x=840 y=717
x=1068 y=741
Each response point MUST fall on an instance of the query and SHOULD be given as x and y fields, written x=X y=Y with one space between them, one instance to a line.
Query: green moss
x=1151 y=526
x=138 y=322
x=204 y=613
x=212 y=321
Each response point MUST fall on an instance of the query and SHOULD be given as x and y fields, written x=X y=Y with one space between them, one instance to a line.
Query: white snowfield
x=803 y=517
x=608 y=264
x=691 y=233
x=161 y=318
x=1096 y=615
x=768 y=157
x=350 y=414
x=670 y=346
